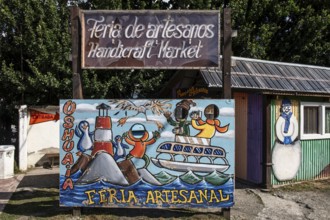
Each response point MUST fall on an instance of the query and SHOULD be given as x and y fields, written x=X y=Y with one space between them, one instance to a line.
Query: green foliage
x=35 y=44
x=123 y=83
x=289 y=31
x=191 y=4
x=34 y=51
x=34 y=48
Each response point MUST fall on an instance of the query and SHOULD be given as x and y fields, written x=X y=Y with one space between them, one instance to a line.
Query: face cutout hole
x=138 y=130
x=211 y=112
x=180 y=113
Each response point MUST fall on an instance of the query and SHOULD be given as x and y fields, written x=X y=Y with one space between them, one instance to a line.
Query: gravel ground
x=309 y=200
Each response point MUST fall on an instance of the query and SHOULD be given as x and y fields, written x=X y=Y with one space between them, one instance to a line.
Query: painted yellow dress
x=208 y=128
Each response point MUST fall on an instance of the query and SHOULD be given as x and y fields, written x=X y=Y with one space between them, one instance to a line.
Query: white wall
x=40 y=138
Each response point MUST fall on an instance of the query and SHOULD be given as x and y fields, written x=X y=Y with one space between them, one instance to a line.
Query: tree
x=35 y=45
x=290 y=31
x=34 y=51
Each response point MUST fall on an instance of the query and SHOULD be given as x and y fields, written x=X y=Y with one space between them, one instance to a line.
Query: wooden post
x=76 y=211
x=76 y=52
x=226 y=67
x=267 y=168
x=76 y=66
x=226 y=213
x=226 y=54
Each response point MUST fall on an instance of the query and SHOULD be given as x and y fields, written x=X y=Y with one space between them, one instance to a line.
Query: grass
x=319 y=185
x=34 y=204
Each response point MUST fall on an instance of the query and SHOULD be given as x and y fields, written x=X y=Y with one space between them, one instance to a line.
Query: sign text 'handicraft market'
x=152 y=39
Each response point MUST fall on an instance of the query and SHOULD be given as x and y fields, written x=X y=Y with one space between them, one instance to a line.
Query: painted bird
x=157 y=107
x=85 y=136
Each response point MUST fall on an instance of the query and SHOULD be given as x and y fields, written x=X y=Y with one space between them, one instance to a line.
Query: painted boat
x=191 y=147
x=184 y=166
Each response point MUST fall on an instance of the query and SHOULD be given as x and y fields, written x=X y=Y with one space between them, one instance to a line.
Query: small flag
x=40 y=117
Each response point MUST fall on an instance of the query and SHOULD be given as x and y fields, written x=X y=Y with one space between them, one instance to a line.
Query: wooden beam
x=226 y=67
x=226 y=54
x=267 y=152
x=226 y=213
x=76 y=66
x=76 y=52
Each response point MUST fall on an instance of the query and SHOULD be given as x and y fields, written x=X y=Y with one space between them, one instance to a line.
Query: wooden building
x=265 y=153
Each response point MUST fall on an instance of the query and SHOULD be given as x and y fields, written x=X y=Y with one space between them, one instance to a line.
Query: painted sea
x=189 y=190
x=88 y=126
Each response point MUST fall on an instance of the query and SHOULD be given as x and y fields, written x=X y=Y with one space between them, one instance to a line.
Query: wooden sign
x=192 y=92
x=150 y=39
x=147 y=153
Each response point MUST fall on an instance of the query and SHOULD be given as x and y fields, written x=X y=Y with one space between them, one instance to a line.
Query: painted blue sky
x=86 y=110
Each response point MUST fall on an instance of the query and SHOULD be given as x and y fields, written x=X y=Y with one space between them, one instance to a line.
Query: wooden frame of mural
x=147 y=153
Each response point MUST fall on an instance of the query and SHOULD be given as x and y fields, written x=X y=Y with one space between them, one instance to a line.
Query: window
x=311 y=120
x=327 y=120
x=315 y=120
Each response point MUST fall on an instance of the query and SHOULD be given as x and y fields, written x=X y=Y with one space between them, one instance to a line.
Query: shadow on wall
x=325 y=172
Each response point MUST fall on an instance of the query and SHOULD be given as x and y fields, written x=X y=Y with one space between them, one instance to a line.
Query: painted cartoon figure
x=181 y=113
x=286 y=154
x=114 y=171
x=138 y=136
x=85 y=136
x=287 y=124
x=120 y=148
x=211 y=125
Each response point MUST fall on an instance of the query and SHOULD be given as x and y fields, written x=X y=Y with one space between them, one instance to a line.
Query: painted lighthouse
x=103 y=132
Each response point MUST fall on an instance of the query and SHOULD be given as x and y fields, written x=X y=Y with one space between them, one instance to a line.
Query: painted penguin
x=85 y=136
x=120 y=148
x=286 y=155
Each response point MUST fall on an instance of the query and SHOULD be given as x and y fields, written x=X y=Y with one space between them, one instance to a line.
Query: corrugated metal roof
x=273 y=76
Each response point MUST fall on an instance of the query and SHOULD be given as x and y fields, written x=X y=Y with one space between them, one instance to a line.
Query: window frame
x=321 y=106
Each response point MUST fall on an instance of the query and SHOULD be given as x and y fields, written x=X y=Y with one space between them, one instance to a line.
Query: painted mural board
x=150 y=39
x=147 y=153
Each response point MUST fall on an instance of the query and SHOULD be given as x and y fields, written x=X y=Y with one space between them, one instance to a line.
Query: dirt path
x=301 y=201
